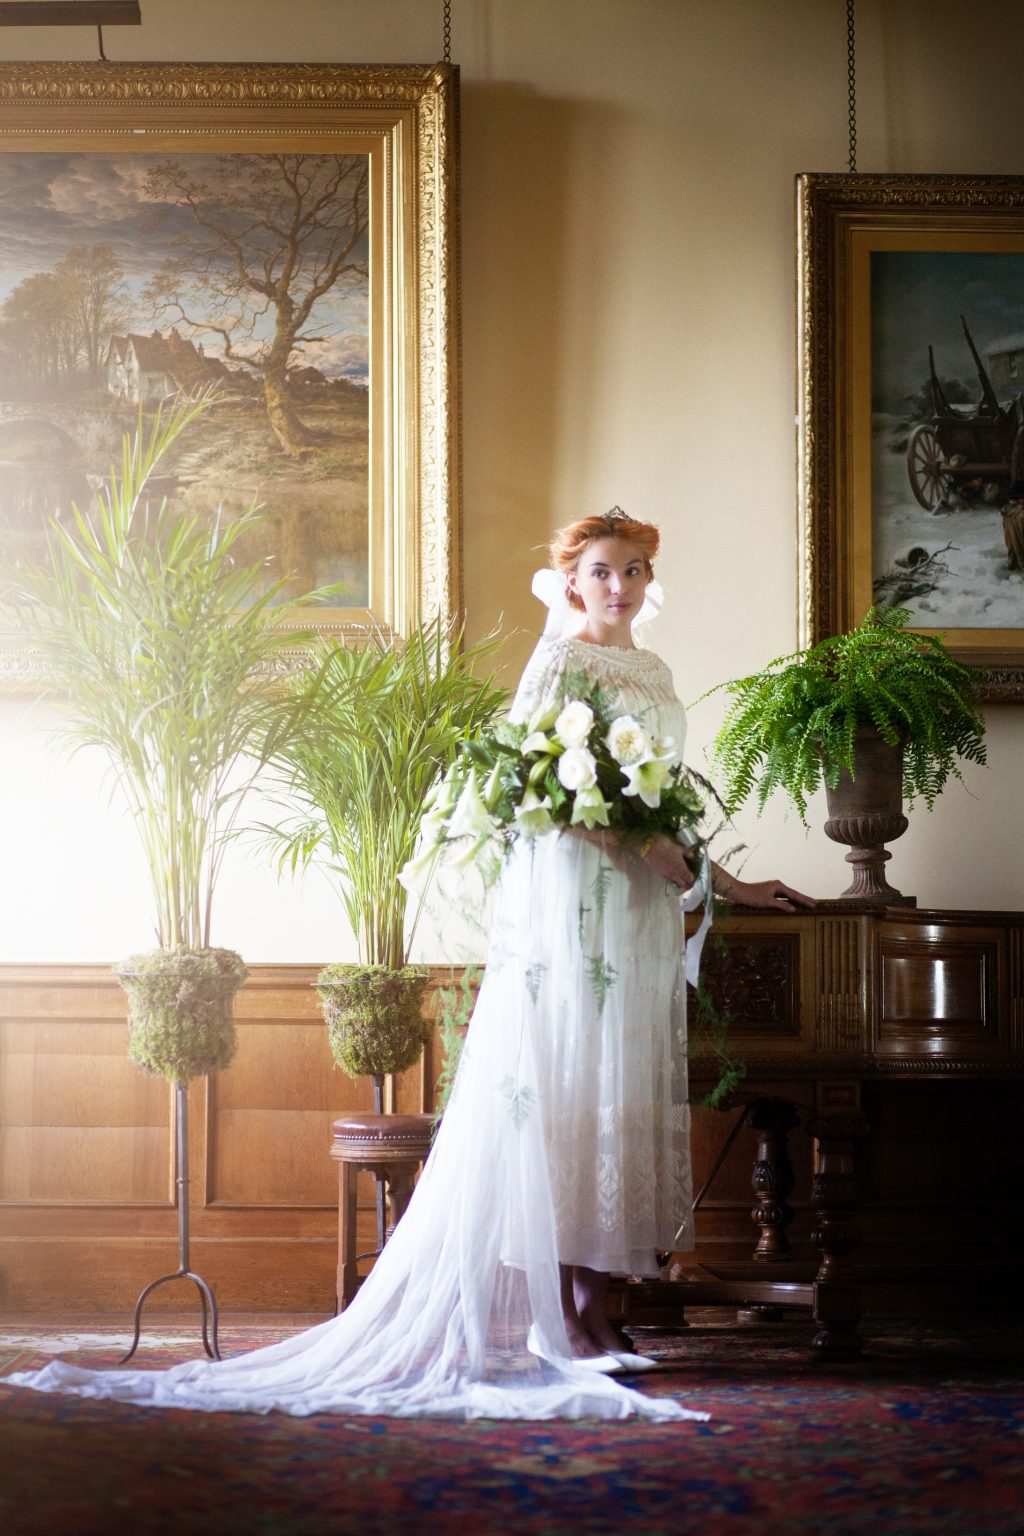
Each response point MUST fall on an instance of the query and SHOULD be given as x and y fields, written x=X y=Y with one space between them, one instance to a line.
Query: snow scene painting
x=128 y=279
x=947 y=385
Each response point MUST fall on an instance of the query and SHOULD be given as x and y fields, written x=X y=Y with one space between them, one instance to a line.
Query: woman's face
x=611 y=579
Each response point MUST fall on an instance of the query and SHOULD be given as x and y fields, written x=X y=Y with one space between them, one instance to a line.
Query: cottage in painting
x=145 y=369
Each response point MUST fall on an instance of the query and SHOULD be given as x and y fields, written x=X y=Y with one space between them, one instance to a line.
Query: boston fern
x=793 y=725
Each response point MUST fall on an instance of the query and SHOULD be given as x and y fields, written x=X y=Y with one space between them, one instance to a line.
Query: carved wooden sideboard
x=823 y=1008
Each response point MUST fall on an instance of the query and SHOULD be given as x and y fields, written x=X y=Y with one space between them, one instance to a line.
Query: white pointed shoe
x=608 y=1365
x=637 y=1363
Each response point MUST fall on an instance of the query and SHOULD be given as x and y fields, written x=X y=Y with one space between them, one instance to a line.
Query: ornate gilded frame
x=841 y=219
x=405 y=119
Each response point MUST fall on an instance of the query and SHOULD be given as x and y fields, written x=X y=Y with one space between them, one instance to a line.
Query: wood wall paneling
x=87 y=1213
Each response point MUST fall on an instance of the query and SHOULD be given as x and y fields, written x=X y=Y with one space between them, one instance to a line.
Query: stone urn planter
x=865 y=811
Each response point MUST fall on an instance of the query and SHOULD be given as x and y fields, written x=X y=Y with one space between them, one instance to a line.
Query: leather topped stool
x=392 y=1148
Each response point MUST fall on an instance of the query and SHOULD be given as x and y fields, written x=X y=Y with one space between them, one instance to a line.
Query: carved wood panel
x=753 y=982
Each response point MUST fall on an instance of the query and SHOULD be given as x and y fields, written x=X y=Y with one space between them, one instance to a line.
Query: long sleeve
x=542 y=681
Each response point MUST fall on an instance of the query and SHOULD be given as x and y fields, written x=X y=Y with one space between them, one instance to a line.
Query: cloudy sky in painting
x=51 y=202
x=917 y=298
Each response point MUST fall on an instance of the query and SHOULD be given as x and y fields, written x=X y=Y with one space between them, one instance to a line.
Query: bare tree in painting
x=271 y=236
x=56 y=324
x=95 y=300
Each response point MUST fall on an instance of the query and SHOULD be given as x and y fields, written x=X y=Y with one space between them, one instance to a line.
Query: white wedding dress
x=566 y=1140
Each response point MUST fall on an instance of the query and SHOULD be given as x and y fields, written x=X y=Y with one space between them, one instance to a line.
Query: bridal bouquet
x=572 y=764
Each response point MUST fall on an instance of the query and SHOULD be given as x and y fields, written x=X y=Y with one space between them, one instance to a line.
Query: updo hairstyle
x=569 y=543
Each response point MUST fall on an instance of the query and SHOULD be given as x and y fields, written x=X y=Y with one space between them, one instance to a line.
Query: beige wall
x=628 y=337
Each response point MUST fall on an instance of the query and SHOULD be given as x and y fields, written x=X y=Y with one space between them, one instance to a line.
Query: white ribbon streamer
x=701 y=891
x=563 y=621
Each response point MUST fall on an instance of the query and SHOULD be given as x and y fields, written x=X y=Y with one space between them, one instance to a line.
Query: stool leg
x=347 y=1273
x=400 y=1187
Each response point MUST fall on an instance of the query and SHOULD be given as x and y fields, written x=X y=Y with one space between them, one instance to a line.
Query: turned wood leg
x=772 y=1178
x=347 y=1273
x=401 y=1179
x=837 y=1298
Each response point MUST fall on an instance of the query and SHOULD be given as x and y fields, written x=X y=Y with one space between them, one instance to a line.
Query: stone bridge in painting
x=62 y=434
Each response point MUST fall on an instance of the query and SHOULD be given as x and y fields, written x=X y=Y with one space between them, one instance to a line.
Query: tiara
x=616 y=513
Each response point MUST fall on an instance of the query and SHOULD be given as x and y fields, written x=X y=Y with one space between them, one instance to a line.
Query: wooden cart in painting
x=967 y=453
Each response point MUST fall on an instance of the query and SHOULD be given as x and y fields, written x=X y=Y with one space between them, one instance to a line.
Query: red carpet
x=925 y=1435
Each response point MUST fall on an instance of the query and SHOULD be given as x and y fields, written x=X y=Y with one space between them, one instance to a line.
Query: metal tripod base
x=207 y=1301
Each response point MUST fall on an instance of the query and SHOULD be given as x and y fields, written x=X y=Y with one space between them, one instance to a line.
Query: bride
x=563 y=1155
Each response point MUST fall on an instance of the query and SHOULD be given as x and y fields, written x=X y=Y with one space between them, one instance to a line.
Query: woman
x=563 y=1155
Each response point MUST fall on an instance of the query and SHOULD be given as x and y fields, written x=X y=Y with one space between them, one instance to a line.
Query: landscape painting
x=129 y=278
x=283 y=237
x=947 y=385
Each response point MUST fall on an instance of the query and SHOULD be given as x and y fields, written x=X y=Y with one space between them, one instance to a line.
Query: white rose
x=573 y=725
x=627 y=740
x=577 y=768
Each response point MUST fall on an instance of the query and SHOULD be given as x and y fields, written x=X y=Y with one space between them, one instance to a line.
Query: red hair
x=569 y=543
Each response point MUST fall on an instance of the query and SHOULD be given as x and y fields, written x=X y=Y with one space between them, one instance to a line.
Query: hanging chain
x=851 y=80
x=447 y=31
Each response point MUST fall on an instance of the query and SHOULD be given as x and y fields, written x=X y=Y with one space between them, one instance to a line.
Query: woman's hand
x=667 y=858
x=769 y=895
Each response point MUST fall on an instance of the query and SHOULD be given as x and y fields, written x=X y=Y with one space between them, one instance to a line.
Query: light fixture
x=70 y=13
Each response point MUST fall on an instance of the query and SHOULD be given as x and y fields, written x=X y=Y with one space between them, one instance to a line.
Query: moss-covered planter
x=179 y=1010
x=374 y=1019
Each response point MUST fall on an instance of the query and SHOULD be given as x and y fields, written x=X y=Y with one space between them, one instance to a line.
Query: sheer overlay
x=566 y=1140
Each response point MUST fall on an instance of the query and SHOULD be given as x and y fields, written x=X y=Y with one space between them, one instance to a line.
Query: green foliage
x=389 y=720
x=180 y=1005
x=708 y=1034
x=455 y=1009
x=793 y=725
x=167 y=655
x=374 y=1019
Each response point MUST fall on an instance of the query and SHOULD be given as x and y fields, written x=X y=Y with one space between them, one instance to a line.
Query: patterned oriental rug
x=924 y=1435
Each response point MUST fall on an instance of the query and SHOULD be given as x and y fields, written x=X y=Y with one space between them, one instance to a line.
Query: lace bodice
x=640 y=680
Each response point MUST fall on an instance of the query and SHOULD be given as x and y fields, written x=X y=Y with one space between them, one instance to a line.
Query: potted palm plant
x=390 y=719
x=167 y=654
x=878 y=714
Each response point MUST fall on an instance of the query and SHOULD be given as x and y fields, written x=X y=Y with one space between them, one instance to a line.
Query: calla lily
x=590 y=809
x=470 y=817
x=543 y=718
x=538 y=742
x=415 y=875
x=433 y=827
x=441 y=795
x=534 y=814
x=648 y=778
x=492 y=789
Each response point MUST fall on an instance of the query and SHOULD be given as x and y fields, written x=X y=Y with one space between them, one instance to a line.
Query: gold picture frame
x=113 y=130
x=906 y=284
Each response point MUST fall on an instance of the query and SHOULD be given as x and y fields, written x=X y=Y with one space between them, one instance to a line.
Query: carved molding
x=840 y=1018
x=230 y=85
